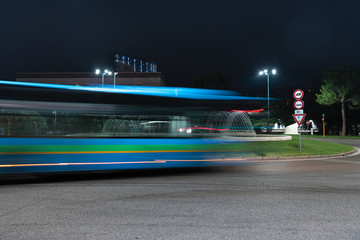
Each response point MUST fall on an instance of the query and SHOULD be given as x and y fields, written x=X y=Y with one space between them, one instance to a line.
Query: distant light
x=265 y=71
x=106 y=71
x=109 y=72
x=97 y=71
x=261 y=73
x=273 y=71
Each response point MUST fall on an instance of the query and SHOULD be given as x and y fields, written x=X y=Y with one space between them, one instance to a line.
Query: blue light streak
x=172 y=92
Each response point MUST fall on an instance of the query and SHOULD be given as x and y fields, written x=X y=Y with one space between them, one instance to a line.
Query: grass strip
x=327 y=136
x=292 y=148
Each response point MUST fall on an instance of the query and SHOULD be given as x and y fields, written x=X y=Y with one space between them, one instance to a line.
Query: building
x=129 y=71
x=91 y=79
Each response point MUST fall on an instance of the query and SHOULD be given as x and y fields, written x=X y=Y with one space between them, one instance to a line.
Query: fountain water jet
x=233 y=123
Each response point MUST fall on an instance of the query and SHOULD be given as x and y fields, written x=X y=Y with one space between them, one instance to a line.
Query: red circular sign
x=298 y=94
x=298 y=104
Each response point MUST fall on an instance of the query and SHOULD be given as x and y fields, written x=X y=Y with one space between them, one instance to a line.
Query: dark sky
x=187 y=39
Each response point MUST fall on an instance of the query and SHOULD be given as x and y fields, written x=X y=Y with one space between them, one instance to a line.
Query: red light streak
x=248 y=111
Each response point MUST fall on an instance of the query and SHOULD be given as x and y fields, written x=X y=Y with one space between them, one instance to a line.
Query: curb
x=304 y=157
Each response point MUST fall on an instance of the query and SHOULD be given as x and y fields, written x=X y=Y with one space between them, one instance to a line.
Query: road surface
x=272 y=199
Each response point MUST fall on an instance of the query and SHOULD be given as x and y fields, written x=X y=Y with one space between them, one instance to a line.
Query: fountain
x=115 y=126
x=235 y=123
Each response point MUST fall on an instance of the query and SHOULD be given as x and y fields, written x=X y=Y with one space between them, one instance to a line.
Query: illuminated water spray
x=116 y=126
x=235 y=124
x=232 y=123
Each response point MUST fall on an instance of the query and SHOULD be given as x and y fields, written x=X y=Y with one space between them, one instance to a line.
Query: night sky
x=187 y=39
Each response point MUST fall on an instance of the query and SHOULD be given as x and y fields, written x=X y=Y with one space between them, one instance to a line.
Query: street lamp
x=106 y=72
x=266 y=73
x=115 y=73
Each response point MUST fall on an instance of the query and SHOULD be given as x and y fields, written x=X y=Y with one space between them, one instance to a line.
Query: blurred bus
x=57 y=128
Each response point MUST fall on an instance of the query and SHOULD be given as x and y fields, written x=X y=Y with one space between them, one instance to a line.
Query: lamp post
x=115 y=73
x=267 y=74
x=106 y=72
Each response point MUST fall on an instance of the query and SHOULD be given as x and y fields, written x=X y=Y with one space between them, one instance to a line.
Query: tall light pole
x=266 y=73
x=115 y=73
x=106 y=72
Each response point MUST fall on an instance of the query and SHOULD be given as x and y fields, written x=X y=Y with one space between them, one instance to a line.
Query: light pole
x=265 y=72
x=106 y=72
x=115 y=73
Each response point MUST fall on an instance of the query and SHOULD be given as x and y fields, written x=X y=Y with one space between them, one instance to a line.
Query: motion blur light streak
x=209 y=160
x=203 y=128
x=104 y=152
x=187 y=93
x=100 y=129
x=248 y=111
x=91 y=163
x=135 y=162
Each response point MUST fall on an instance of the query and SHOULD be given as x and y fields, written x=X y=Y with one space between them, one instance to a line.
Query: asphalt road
x=276 y=199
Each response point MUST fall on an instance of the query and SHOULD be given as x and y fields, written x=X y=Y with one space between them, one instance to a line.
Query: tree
x=341 y=85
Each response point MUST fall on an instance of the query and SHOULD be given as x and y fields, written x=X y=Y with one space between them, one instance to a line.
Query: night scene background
x=187 y=40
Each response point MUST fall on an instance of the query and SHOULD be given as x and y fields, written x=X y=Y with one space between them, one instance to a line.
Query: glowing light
x=109 y=73
x=261 y=73
x=273 y=71
x=97 y=71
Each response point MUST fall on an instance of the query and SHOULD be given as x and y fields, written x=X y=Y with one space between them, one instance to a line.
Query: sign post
x=299 y=115
x=323 y=120
x=299 y=118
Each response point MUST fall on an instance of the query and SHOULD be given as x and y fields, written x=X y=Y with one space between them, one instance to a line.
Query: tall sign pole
x=323 y=120
x=268 y=102
x=299 y=115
